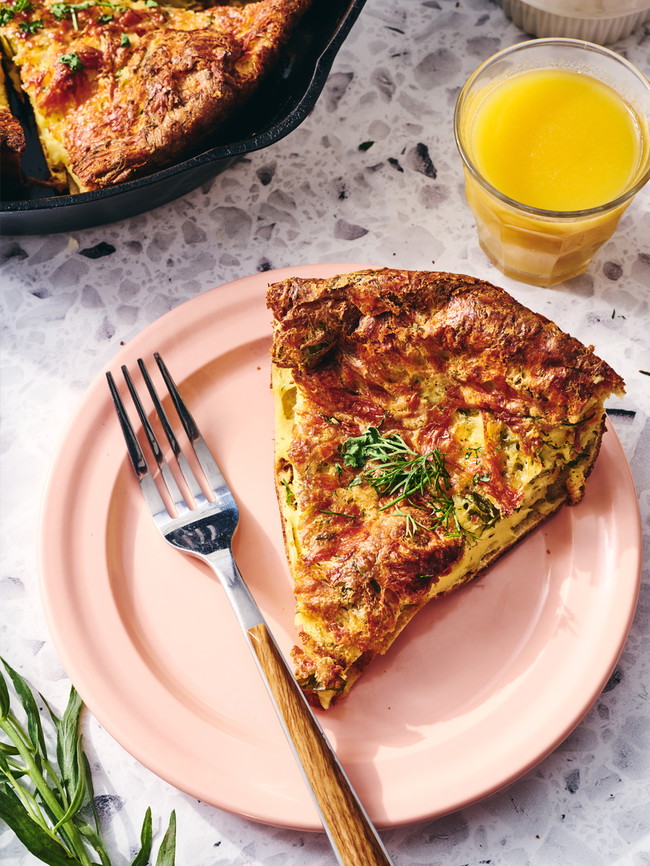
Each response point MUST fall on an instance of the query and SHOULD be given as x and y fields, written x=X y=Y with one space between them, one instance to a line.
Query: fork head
x=201 y=518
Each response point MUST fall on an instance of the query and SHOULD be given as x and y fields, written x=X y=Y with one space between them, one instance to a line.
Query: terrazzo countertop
x=70 y=301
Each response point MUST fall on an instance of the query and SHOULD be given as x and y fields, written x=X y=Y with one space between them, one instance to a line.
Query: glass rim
x=612 y=204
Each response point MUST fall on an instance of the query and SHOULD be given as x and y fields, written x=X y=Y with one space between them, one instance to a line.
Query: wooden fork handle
x=351 y=833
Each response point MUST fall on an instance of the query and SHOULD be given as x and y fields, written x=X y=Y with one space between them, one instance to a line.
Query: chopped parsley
x=72 y=60
x=62 y=10
x=474 y=453
x=65 y=10
x=7 y=12
x=31 y=26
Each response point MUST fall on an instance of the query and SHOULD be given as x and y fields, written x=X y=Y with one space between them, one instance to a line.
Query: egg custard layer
x=424 y=423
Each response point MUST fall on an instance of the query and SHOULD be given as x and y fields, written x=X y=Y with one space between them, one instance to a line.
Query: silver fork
x=204 y=528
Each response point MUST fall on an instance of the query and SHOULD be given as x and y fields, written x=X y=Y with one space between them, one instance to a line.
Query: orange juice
x=554 y=138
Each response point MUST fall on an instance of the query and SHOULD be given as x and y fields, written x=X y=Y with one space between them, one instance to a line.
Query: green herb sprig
x=72 y=61
x=394 y=470
x=63 y=10
x=31 y=26
x=69 y=10
x=8 y=11
x=44 y=798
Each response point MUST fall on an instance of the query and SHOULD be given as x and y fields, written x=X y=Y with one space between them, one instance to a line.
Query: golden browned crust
x=12 y=136
x=487 y=341
x=126 y=88
x=455 y=367
x=12 y=145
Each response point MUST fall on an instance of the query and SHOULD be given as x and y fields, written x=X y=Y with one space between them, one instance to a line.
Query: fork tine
x=188 y=422
x=150 y=491
x=168 y=478
x=201 y=450
x=186 y=471
x=132 y=444
x=162 y=415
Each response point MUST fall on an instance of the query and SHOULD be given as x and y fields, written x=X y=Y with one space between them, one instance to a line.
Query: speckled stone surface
x=68 y=302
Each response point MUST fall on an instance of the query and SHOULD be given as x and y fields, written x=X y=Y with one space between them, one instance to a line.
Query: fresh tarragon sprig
x=396 y=471
x=42 y=795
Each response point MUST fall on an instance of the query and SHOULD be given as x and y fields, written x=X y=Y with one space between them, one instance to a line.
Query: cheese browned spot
x=121 y=89
x=505 y=408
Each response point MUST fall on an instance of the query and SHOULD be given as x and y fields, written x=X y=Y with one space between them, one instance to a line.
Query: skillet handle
x=353 y=836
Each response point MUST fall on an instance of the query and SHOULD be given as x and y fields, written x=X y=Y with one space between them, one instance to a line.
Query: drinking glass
x=529 y=243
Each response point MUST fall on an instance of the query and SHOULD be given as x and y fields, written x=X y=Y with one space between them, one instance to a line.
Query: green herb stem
x=28 y=801
x=45 y=792
x=338 y=513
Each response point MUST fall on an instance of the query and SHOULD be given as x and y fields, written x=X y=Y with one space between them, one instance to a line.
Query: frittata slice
x=424 y=423
x=120 y=89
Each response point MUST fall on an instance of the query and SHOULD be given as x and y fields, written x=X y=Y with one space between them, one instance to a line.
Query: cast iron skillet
x=279 y=106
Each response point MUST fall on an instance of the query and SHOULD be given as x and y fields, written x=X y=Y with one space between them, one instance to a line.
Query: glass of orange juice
x=554 y=137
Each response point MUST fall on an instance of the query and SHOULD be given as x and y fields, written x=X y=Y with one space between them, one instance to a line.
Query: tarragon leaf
x=33 y=837
x=146 y=836
x=5 y=700
x=166 y=852
x=68 y=743
x=34 y=727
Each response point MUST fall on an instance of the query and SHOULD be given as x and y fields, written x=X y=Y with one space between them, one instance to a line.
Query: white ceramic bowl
x=601 y=21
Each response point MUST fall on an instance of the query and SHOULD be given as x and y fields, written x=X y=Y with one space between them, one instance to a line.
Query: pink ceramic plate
x=477 y=690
